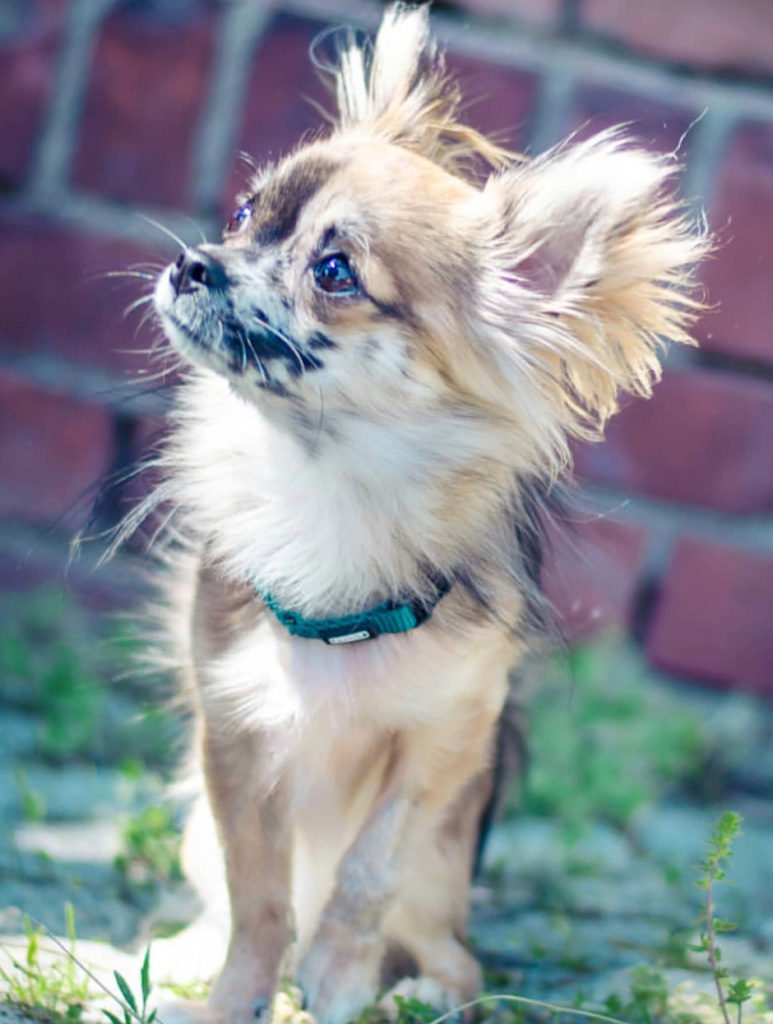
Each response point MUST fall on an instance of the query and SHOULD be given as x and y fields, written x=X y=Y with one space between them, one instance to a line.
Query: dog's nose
x=194 y=269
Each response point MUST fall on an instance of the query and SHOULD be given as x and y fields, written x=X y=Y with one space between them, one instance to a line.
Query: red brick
x=497 y=100
x=27 y=68
x=55 y=449
x=537 y=12
x=591 y=573
x=278 y=113
x=704 y=438
x=712 y=34
x=654 y=125
x=739 y=276
x=713 y=621
x=148 y=84
x=58 y=300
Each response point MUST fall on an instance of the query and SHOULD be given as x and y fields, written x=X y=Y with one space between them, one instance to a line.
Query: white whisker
x=167 y=231
x=137 y=302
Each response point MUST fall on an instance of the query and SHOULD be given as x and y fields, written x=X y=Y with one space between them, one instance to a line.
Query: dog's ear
x=397 y=89
x=589 y=270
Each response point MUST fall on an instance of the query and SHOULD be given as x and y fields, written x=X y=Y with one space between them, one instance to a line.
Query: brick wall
x=110 y=109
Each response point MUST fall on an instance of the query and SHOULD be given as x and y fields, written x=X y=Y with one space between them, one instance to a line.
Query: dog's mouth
x=205 y=329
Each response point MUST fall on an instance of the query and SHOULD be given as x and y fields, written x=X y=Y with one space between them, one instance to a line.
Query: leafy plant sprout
x=56 y=991
x=60 y=991
x=720 y=849
x=134 y=1010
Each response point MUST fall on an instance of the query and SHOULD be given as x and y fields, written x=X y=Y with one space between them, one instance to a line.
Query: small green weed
x=414 y=1011
x=151 y=847
x=712 y=870
x=648 y=1001
x=72 y=703
x=135 y=1011
x=33 y=804
x=54 y=990
x=196 y=991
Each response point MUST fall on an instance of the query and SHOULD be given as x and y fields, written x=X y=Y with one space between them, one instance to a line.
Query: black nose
x=194 y=269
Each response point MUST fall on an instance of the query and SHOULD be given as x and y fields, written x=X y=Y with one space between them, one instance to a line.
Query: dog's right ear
x=397 y=89
x=593 y=264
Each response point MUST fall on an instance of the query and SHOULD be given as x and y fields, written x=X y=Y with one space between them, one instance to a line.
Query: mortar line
x=706 y=145
x=241 y=28
x=100 y=217
x=747 y=531
x=549 y=121
x=528 y=49
x=53 y=159
x=121 y=393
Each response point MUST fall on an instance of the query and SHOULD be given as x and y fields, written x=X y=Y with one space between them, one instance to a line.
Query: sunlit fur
x=339 y=450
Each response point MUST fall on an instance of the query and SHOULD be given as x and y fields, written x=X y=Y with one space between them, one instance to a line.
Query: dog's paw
x=428 y=991
x=337 y=983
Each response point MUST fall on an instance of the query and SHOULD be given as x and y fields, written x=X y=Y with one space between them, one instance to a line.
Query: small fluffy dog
x=390 y=356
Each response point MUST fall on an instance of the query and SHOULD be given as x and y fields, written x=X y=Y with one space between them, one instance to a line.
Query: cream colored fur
x=341 y=448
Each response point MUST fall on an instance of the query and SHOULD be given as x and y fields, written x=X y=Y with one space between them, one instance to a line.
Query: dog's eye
x=334 y=274
x=238 y=218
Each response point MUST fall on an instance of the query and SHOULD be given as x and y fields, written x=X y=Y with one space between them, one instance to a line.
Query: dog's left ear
x=589 y=270
x=397 y=90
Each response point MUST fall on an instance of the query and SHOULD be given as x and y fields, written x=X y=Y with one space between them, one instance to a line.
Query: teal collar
x=388 y=617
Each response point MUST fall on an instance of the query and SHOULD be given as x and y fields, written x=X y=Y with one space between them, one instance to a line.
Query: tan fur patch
x=392 y=356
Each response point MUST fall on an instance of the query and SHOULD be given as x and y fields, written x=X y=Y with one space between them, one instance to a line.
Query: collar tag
x=349 y=638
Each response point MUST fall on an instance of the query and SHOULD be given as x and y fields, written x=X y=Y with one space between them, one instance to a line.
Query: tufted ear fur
x=398 y=90
x=589 y=270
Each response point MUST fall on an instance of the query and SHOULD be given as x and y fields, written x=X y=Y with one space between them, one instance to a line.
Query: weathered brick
x=712 y=34
x=55 y=449
x=57 y=298
x=498 y=100
x=704 y=438
x=713 y=620
x=739 y=275
x=591 y=573
x=28 y=47
x=147 y=86
x=657 y=126
x=277 y=112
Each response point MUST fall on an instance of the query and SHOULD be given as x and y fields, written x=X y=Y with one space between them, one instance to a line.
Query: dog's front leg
x=252 y=820
x=339 y=973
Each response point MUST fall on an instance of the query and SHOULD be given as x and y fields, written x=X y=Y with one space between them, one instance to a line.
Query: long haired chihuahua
x=390 y=353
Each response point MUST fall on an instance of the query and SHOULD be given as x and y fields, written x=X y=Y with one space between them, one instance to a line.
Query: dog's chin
x=199 y=337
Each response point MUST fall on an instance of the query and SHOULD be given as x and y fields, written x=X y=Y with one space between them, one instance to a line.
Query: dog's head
x=372 y=274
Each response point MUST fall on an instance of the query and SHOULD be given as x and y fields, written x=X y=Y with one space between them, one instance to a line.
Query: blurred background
x=121 y=122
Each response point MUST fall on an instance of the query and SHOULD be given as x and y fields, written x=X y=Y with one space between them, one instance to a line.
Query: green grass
x=151 y=847
x=57 y=991
x=606 y=738
x=81 y=685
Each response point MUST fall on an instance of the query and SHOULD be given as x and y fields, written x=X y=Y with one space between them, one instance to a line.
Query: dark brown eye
x=238 y=219
x=334 y=274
